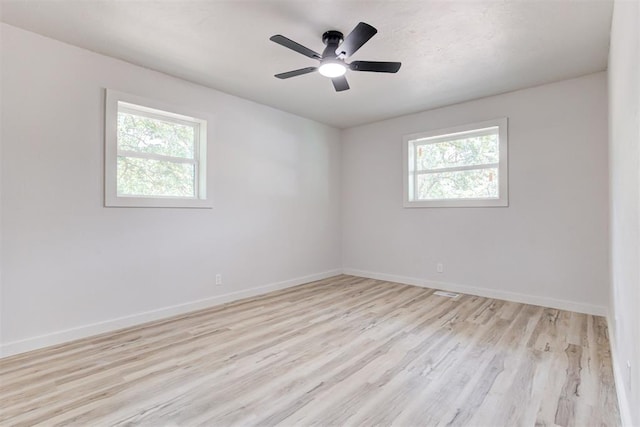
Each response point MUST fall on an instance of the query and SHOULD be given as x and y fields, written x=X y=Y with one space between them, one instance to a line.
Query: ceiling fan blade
x=375 y=66
x=282 y=40
x=294 y=73
x=356 y=38
x=340 y=83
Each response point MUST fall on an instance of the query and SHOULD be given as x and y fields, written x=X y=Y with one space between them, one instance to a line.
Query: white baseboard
x=59 y=337
x=621 y=391
x=485 y=292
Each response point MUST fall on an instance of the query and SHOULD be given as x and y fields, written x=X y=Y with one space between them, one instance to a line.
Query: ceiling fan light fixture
x=332 y=69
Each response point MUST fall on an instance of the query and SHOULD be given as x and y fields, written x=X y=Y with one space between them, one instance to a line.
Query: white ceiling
x=451 y=51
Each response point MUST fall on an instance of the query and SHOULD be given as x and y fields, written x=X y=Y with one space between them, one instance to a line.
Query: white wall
x=1 y=145
x=624 y=140
x=548 y=247
x=72 y=267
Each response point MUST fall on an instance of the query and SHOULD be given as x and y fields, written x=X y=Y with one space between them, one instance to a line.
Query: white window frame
x=438 y=135
x=120 y=101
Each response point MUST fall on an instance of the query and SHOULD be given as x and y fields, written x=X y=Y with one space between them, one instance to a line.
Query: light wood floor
x=342 y=351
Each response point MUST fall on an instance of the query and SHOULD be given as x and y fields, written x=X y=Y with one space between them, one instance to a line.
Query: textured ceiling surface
x=451 y=51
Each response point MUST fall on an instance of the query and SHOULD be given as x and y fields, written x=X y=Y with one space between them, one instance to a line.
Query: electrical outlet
x=218 y=279
x=439 y=267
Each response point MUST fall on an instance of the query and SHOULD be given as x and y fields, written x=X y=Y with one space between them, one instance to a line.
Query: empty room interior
x=296 y=212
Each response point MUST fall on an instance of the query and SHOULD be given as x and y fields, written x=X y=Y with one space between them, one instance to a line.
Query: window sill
x=466 y=203
x=156 y=202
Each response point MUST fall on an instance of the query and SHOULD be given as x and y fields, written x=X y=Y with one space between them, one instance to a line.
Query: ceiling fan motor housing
x=332 y=39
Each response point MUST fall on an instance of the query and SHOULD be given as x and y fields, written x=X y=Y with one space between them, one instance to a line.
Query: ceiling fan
x=338 y=48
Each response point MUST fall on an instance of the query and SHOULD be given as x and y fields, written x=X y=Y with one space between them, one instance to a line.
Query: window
x=465 y=166
x=155 y=156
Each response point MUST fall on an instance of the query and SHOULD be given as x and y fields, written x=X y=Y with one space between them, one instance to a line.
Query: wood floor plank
x=340 y=351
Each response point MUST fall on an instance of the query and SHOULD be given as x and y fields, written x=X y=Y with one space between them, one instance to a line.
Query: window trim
x=445 y=134
x=161 y=111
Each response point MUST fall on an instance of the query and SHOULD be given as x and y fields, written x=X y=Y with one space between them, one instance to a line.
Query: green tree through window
x=155 y=157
